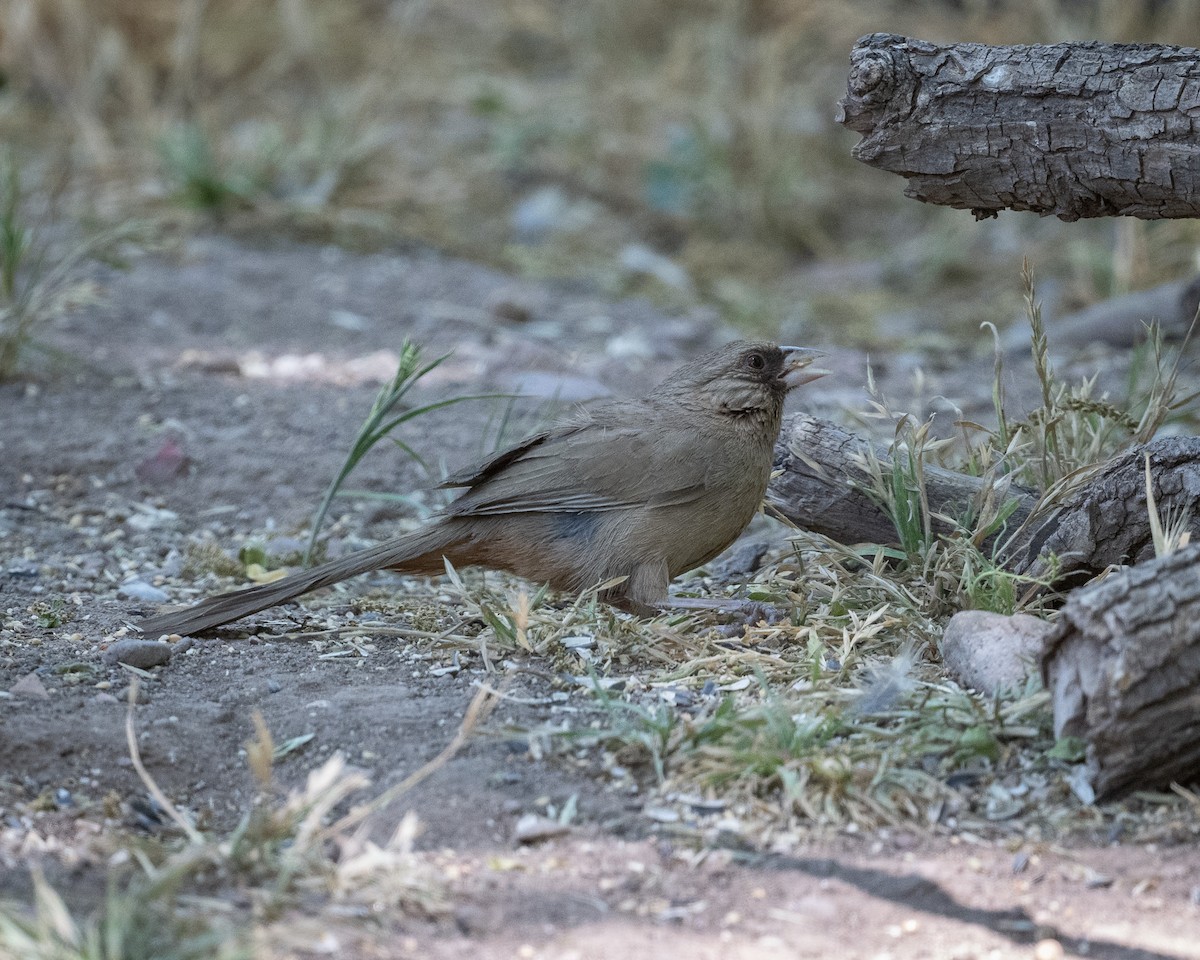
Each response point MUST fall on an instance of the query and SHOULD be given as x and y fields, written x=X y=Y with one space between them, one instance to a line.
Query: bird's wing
x=591 y=465
x=484 y=469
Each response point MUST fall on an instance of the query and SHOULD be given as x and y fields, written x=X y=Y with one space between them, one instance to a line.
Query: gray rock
x=31 y=687
x=142 y=654
x=140 y=590
x=349 y=320
x=990 y=652
x=742 y=559
x=537 y=213
x=533 y=828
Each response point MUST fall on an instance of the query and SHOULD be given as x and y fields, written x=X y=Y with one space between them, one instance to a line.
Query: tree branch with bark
x=1069 y=129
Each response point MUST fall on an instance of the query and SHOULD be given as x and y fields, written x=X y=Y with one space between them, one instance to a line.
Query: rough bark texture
x=1123 y=668
x=1070 y=129
x=1104 y=520
x=822 y=485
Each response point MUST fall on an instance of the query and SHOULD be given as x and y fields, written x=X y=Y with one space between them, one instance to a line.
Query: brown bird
x=642 y=489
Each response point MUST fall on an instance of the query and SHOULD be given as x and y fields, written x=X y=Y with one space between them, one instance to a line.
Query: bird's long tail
x=417 y=552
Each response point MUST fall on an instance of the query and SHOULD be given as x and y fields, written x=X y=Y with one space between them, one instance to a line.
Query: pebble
x=741 y=560
x=539 y=214
x=661 y=814
x=140 y=590
x=510 y=306
x=1048 y=949
x=30 y=686
x=532 y=828
x=122 y=697
x=167 y=463
x=349 y=320
x=142 y=654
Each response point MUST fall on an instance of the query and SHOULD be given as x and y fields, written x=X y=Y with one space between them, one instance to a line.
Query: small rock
x=1048 y=949
x=166 y=464
x=142 y=654
x=677 y=696
x=990 y=652
x=1094 y=880
x=30 y=686
x=510 y=306
x=661 y=814
x=743 y=558
x=349 y=320
x=122 y=697
x=533 y=828
x=281 y=546
x=105 y=699
x=539 y=213
x=140 y=590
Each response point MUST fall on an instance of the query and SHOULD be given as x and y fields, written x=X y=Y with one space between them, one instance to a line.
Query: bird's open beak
x=798 y=366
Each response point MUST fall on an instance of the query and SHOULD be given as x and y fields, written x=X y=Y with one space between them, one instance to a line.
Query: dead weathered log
x=1123 y=669
x=1070 y=129
x=1104 y=519
x=823 y=484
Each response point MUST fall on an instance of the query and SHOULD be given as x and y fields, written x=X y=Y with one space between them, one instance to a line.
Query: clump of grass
x=202 y=177
x=136 y=922
x=1073 y=429
x=829 y=751
x=382 y=419
x=207 y=557
x=36 y=278
x=953 y=557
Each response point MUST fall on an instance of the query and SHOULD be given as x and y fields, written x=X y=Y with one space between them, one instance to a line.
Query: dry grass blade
x=477 y=711
x=148 y=781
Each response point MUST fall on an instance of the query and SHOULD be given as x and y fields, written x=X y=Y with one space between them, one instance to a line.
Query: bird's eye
x=755 y=361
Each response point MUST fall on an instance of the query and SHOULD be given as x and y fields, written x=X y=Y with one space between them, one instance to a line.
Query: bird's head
x=742 y=378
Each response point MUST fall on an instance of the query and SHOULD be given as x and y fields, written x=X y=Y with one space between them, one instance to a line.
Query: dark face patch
x=579 y=527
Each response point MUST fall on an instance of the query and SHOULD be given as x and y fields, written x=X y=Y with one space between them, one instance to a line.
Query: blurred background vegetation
x=571 y=139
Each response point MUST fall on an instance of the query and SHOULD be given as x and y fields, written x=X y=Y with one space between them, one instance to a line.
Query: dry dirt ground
x=257 y=365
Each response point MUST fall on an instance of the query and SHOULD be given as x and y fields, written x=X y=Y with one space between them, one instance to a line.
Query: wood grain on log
x=822 y=486
x=1123 y=669
x=1105 y=520
x=1102 y=520
x=1070 y=129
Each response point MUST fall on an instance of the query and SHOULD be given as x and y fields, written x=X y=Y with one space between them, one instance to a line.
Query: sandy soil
x=257 y=364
